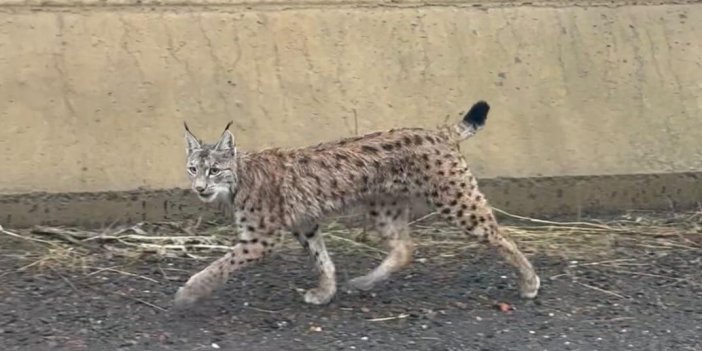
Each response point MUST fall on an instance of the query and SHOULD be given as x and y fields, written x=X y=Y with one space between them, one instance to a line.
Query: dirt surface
x=636 y=298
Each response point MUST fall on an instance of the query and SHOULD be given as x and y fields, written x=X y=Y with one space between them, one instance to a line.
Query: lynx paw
x=529 y=288
x=319 y=296
x=363 y=283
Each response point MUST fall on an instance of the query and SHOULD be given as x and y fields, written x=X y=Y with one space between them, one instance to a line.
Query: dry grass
x=579 y=239
x=73 y=247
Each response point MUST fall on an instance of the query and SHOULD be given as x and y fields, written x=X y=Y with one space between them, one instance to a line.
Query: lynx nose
x=199 y=188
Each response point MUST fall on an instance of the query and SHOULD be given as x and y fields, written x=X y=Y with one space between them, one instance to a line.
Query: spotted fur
x=277 y=191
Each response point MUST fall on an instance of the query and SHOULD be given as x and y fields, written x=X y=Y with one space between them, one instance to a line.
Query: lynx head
x=211 y=167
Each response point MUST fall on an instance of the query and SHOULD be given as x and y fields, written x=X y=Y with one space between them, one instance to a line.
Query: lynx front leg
x=247 y=251
x=311 y=239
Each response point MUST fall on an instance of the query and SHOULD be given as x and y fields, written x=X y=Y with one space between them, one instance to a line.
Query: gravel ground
x=632 y=298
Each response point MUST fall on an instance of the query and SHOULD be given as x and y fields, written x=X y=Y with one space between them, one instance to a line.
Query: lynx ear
x=226 y=143
x=191 y=141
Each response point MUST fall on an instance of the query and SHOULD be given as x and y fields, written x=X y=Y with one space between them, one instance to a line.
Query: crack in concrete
x=126 y=38
x=60 y=67
x=218 y=66
x=561 y=53
x=172 y=51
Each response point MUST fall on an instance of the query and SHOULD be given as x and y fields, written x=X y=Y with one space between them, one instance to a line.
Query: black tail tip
x=477 y=114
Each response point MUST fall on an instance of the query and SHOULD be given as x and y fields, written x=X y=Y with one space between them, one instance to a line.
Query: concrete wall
x=93 y=93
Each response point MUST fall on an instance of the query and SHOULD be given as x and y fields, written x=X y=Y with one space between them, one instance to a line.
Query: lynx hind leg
x=391 y=220
x=459 y=201
x=311 y=239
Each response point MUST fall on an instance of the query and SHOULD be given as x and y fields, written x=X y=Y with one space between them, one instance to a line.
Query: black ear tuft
x=477 y=114
x=228 y=125
x=192 y=141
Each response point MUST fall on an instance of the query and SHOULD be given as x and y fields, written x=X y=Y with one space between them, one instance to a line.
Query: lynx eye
x=192 y=170
x=214 y=171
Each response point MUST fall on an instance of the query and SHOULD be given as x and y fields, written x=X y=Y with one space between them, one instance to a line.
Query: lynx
x=277 y=191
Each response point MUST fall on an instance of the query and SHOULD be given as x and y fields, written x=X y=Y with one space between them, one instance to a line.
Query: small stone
x=504 y=307
x=215 y=346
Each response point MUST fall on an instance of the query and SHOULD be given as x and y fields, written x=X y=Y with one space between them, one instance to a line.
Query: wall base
x=536 y=197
